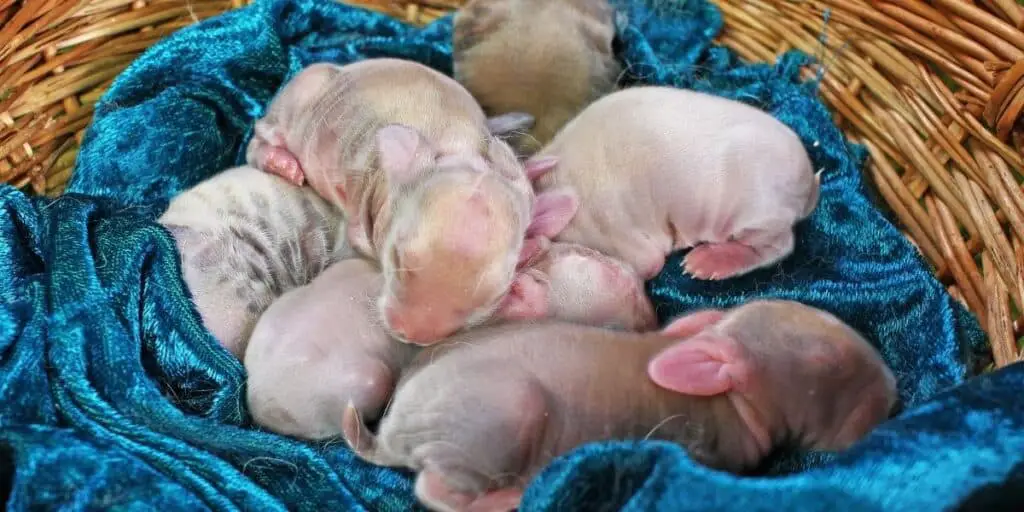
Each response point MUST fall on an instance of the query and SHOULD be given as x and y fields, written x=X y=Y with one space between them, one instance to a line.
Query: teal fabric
x=113 y=395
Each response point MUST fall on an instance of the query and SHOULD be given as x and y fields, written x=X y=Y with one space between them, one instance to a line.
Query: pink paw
x=720 y=261
x=281 y=162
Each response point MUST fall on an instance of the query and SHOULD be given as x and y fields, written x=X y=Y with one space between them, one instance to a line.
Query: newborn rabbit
x=245 y=237
x=658 y=169
x=479 y=416
x=320 y=347
x=407 y=154
x=547 y=58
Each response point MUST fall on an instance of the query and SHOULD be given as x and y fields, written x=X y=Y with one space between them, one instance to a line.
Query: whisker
x=661 y=424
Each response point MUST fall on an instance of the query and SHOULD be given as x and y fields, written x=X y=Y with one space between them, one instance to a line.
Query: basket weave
x=933 y=89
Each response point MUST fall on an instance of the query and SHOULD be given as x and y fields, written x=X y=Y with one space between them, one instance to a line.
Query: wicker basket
x=933 y=89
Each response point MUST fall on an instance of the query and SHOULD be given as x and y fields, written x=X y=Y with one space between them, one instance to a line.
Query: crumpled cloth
x=113 y=395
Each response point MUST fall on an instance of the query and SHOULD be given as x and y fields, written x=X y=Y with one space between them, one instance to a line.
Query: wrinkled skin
x=478 y=417
x=659 y=169
x=429 y=191
x=547 y=58
x=319 y=348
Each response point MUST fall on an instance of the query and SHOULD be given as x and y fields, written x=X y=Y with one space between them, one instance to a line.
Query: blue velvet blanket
x=113 y=395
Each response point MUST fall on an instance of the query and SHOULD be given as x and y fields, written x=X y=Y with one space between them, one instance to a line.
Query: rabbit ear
x=537 y=167
x=704 y=365
x=402 y=152
x=434 y=492
x=552 y=212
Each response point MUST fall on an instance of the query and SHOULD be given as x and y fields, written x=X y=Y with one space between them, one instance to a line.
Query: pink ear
x=527 y=298
x=552 y=212
x=532 y=248
x=704 y=365
x=537 y=167
x=686 y=326
x=398 y=147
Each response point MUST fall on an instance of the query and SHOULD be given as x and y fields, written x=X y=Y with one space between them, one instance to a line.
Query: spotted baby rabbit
x=245 y=237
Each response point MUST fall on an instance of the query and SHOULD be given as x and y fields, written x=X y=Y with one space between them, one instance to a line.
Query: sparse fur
x=587 y=287
x=659 y=169
x=478 y=416
x=328 y=116
x=548 y=58
x=319 y=348
x=245 y=237
x=382 y=139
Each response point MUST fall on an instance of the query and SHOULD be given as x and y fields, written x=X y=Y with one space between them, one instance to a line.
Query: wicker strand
x=934 y=90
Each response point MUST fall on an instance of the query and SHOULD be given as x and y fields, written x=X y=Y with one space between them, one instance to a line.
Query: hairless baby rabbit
x=245 y=237
x=658 y=169
x=443 y=205
x=320 y=346
x=479 y=416
x=547 y=58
